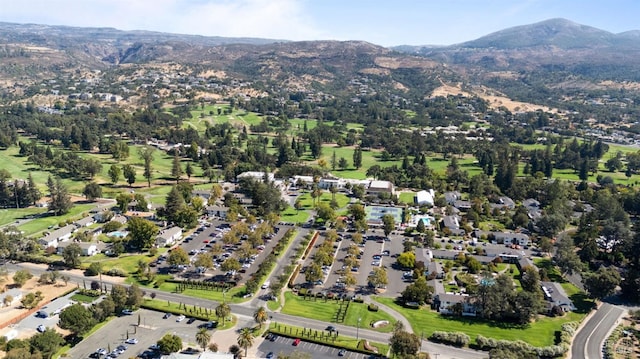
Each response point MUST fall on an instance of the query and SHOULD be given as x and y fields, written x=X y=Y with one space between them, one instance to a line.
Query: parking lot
x=152 y=328
x=284 y=346
x=30 y=323
x=375 y=245
x=204 y=238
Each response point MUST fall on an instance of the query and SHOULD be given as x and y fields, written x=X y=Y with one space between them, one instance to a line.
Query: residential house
x=504 y=202
x=452 y=197
x=377 y=187
x=461 y=304
x=87 y=248
x=54 y=238
x=424 y=198
x=533 y=208
x=556 y=296
x=452 y=223
x=462 y=205
x=85 y=222
x=435 y=269
x=496 y=237
x=169 y=236
x=14 y=294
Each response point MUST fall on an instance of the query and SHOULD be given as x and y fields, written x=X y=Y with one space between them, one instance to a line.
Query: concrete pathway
x=395 y=314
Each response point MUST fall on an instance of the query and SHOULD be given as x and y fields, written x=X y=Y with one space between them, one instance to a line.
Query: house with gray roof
x=169 y=236
x=446 y=303
x=556 y=296
x=59 y=235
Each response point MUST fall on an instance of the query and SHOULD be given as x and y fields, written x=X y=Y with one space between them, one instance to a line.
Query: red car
x=296 y=342
x=205 y=241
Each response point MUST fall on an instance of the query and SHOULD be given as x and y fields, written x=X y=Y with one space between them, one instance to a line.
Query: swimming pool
x=119 y=234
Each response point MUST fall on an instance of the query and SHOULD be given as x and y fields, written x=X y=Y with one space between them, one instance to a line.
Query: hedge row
x=458 y=339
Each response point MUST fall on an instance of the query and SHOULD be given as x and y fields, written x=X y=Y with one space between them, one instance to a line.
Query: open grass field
x=230 y=296
x=319 y=309
x=292 y=215
x=539 y=333
x=8 y=216
x=307 y=201
x=126 y=262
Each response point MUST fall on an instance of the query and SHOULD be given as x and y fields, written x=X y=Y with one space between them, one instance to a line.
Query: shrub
x=454 y=338
x=372 y=307
x=117 y=272
x=358 y=300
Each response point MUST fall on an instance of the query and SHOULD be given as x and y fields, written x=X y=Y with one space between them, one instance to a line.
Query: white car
x=180 y=318
x=131 y=341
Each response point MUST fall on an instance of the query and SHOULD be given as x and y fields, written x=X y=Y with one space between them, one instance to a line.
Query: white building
x=424 y=198
x=258 y=176
x=169 y=236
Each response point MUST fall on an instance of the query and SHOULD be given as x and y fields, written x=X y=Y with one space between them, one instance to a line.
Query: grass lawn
x=292 y=215
x=231 y=296
x=125 y=262
x=273 y=305
x=552 y=271
x=425 y=321
x=407 y=197
x=11 y=215
x=177 y=308
x=369 y=158
x=307 y=201
x=340 y=341
x=318 y=309
x=83 y=298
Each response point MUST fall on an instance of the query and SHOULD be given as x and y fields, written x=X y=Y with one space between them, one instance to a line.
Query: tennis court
x=375 y=213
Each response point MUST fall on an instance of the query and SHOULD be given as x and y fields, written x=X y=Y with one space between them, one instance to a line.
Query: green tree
x=60 y=200
x=388 y=224
x=343 y=163
x=357 y=158
x=230 y=264
x=92 y=191
x=378 y=278
x=21 y=277
x=114 y=174
x=146 y=153
x=170 y=343
x=188 y=170
x=142 y=232
x=418 y=291
x=71 y=255
x=203 y=337
x=178 y=256
x=260 y=316
x=204 y=260
x=129 y=174
x=407 y=260
x=46 y=343
x=603 y=282
x=404 y=344
x=31 y=300
x=245 y=339
x=222 y=311
x=325 y=212
x=76 y=318
x=176 y=168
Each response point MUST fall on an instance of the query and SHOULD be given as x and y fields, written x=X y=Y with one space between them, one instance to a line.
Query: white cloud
x=281 y=19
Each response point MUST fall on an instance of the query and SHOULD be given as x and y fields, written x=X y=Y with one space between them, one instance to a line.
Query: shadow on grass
x=582 y=302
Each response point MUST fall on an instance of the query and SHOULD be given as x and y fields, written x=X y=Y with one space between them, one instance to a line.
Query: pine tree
x=176 y=168
x=60 y=200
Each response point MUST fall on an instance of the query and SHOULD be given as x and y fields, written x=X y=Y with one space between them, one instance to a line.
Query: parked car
x=127 y=312
x=41 y=328
x=191 y=320
x=180 y=318
x=342 y=352
x=166 y=315
x=131 y=341
x=296 y=342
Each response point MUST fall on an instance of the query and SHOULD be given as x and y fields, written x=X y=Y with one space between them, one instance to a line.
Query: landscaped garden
x=327 y=310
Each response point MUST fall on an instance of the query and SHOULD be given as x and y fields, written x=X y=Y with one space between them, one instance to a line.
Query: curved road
x=587 y=343
x=248 y=308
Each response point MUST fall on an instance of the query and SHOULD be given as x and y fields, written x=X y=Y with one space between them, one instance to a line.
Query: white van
x=265 y=285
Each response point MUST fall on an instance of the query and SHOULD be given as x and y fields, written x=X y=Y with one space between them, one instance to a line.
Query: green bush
x=358 y=300
x=372 y=307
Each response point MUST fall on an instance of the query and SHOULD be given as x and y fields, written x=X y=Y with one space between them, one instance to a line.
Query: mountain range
x=557 y=49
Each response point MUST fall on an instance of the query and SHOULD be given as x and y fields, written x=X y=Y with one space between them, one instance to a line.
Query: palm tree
x=260 y=316
x=222 y=311
x=203 y=337
x=245 y=339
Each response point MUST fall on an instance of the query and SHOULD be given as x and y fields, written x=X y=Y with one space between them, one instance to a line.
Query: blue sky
x=382 y=22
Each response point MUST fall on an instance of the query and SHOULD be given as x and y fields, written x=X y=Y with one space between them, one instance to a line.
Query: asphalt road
x=587 y=343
